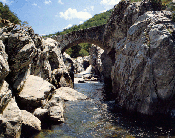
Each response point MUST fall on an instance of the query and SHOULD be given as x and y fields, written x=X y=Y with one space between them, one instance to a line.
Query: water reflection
x=95 y=118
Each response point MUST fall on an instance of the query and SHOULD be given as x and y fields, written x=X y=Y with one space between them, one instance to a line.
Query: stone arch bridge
x=92 y=35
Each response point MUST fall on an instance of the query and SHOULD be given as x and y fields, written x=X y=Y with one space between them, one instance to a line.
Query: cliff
x=143 y=48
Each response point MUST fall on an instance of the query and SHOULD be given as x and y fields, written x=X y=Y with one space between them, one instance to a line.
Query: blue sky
x=50 y=16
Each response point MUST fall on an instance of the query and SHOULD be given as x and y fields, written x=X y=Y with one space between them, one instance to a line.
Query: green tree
x=75 y=51
x=5 y=13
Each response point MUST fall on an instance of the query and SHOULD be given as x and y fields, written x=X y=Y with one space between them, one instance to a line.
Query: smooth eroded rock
x=30 y=123
x=69 y=94
x=41 y=113
x=35 y=93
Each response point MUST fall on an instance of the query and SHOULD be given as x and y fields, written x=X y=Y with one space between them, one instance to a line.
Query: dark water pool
x=96 y=118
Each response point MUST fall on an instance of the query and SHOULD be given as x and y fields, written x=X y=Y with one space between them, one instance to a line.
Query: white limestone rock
x=35 y=93
x=69 y=94
x=30 y=123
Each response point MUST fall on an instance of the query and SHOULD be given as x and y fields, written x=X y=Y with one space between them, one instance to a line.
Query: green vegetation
x=5 y=13
x=100 y=19
x=83 y=48
x=96 y=20
x=79 y=50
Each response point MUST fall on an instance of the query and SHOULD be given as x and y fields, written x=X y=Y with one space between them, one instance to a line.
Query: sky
x=50 y=16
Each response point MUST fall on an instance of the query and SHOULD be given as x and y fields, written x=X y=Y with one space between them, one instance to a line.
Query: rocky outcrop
x=29 y=54
x=138 y=64
x=143 y=72
x=95 y=61
x=78 y=64
x=31 y=68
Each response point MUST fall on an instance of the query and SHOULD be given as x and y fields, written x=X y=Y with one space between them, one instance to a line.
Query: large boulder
x=11 y=120
x=35 y=93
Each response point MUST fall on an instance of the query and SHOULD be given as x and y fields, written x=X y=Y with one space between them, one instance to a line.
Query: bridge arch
x=93 y=35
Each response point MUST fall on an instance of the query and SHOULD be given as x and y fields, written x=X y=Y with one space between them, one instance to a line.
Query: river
x=96 y=118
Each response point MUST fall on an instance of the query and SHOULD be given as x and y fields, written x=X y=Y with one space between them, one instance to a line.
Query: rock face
x=79 y=64
x=29 y=54
x=5 y=95
x=102 y=64
x=138 y=64
x=95 y=61
x=143 y=72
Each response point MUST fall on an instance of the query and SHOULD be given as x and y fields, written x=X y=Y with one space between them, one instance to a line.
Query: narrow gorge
x=133 y=55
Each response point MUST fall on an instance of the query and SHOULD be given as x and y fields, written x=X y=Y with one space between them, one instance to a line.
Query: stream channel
x=96 y=118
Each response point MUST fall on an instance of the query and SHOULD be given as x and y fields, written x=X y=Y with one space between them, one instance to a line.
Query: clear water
x=96 y=118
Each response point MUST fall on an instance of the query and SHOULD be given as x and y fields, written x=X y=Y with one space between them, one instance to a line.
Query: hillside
x=83 y=48
x=100 y=19
x=5 y=13
x=96 y=20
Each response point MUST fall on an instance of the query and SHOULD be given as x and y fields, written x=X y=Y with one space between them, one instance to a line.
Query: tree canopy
x=5 y=13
